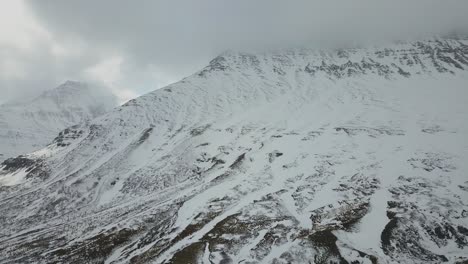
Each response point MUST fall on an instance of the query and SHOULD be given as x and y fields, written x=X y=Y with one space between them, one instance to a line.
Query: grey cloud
x=171 y=30
x=176 y=37
x=28 y=73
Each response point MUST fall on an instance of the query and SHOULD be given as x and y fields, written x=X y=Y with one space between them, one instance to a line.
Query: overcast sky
x=137 y=46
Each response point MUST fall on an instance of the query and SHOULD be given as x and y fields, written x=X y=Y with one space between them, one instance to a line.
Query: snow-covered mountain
x=299 y=156
x=31 y=124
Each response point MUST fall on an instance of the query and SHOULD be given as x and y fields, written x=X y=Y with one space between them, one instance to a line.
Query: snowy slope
x=30 y=125
x=296 y=156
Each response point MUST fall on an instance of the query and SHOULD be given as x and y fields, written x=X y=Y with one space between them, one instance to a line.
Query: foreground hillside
x=300 y=156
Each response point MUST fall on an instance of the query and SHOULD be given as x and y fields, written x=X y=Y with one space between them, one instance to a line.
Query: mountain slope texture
x=30 y=125
x=299 y=156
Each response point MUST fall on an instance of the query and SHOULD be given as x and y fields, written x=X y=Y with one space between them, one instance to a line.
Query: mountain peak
x=71 y=85
x=31 y=124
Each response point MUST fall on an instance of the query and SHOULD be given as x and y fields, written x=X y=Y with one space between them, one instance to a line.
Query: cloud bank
x=138 y=46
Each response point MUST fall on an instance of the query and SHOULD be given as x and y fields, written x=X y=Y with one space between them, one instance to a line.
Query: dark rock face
x=17 y=163
x=67 y=135
x=95 y=249
x=35 y=169
x=399 y=238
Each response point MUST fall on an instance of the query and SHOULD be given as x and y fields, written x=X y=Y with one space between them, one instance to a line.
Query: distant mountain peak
x=26 y=125
x=73 y=83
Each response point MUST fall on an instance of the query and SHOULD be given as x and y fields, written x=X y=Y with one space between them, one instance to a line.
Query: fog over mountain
x=137 y=47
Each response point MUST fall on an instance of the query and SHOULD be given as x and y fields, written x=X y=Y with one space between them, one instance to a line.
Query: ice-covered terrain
x=31 y=124
x=298 y=156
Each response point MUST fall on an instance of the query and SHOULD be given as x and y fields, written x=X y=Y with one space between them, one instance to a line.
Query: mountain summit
x=31 y=124
x=297 y=156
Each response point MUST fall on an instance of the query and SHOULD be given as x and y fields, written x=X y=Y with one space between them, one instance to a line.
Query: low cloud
x=138 y=46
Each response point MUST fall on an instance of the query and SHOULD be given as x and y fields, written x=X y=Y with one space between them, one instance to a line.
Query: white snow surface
x=295 y=156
